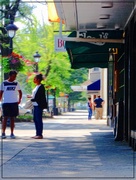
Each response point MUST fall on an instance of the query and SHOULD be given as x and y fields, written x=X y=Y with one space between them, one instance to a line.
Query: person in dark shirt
x=39 y=103
x=98 y=103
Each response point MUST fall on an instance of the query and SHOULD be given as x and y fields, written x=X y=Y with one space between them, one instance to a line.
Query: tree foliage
x=78 y=76
x=14 y=9
x=41 y=38
x=35 y=36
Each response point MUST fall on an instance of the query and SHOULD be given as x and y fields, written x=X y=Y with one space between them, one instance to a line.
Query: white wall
x=103 y=91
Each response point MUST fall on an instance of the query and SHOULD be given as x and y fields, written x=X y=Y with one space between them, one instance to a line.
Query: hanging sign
x=59 y=44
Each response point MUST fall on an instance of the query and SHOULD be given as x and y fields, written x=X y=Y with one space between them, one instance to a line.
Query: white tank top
x=10 y=91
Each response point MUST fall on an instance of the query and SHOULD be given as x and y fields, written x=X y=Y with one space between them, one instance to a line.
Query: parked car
x=23 y=111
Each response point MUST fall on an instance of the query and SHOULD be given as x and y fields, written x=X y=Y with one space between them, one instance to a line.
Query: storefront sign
x=59 y=44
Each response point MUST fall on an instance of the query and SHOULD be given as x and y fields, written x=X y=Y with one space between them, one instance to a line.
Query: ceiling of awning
x=93 y=15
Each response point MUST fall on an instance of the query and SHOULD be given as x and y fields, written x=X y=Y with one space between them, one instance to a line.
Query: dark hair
x=39 y=76
x=89 y=98
x=12 y=72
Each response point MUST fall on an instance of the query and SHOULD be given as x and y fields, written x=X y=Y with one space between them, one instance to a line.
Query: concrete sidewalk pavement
x=73 y=147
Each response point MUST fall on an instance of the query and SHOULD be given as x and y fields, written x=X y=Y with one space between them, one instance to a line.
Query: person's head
x=99 y=96
x=89 y=98
x=38 y=78
x=12 y=75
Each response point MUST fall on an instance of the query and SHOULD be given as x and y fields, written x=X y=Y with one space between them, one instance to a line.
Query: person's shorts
x=10 y=109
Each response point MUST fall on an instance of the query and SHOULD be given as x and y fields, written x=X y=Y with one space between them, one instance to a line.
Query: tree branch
x=48 y=69
x=14 y=10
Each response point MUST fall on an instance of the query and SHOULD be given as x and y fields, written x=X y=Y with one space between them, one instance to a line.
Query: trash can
x=55 y=110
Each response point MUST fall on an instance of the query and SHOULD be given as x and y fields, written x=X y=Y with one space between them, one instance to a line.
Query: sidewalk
x=73 y=147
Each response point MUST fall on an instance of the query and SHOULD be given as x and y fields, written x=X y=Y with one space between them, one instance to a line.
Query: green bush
x=25 y=118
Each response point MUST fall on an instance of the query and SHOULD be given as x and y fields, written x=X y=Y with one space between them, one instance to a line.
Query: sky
x=40 y=11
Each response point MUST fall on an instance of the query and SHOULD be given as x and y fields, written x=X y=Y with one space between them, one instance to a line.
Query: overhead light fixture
x=107 y=5
x=104 y=16
x=101 y=26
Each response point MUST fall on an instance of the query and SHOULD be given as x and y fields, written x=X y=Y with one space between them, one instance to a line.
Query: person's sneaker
x=12 y=136
x=3 y=136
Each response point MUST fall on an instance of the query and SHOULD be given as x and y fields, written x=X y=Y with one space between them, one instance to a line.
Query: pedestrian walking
x=10 y=95
x=98 y=103
x=39 y=103
x=89 y=108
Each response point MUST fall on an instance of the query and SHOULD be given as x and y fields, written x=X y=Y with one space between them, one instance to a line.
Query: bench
x=133 y=139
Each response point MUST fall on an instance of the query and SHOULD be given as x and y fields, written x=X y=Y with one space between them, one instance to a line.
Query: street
x=73 y=147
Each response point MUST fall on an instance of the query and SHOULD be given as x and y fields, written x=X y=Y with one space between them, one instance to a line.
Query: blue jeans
x=37 y=117
x=89 y=113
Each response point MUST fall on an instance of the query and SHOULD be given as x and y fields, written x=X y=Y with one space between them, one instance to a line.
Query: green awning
x=90 y=54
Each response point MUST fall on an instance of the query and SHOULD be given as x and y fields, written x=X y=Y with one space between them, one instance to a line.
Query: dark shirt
x=89 y=104
x=40 y=97
x=98 y=102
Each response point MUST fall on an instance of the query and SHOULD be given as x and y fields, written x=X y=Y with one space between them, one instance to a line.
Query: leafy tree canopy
x=36 y=37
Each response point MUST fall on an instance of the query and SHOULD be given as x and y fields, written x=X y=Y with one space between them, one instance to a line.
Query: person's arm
x=29 y=96
x=103 y=102
x=91 y=104
x=94 y=103
x=20 y=96
x=1 y=93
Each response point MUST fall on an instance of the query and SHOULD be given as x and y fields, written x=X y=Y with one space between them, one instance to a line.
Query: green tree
x=9 y=10
x=36 y=37
x=40 y=38
x=56 y=66
x=78 y=76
